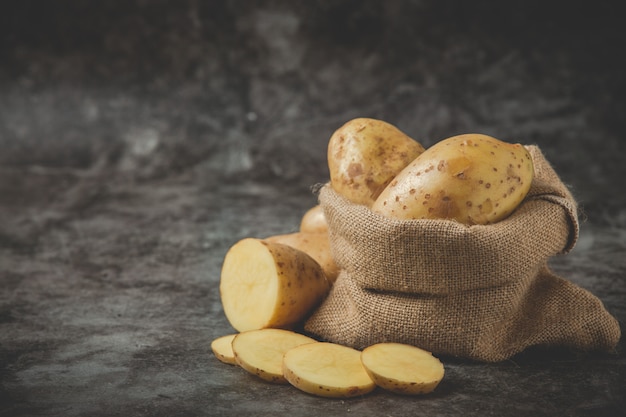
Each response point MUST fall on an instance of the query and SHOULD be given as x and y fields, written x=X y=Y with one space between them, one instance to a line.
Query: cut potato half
x=223 y=350
x=327 y=370
x=267 y=284
x=401 y=368
x=260 y=352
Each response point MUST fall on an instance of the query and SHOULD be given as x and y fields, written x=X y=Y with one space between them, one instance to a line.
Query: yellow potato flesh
x=472 y=178
x=267 y=284
x=403 y=369
x=327 y=370
x=364 y=155
x=223 y=350
x=316 y=245
x=314 y=221
x=260 y=352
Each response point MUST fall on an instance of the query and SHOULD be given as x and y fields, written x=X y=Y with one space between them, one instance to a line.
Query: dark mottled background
x=140 y=139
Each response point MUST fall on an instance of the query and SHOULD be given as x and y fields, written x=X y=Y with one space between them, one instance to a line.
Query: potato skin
x=302 y=284
x=471 y=178
x=364 y=155
x=316 y=245
x=314 y=221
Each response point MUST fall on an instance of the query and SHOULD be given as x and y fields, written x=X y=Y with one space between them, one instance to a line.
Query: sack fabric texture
x=482 y=292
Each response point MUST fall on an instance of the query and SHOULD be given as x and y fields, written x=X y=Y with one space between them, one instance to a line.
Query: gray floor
x=140 y=140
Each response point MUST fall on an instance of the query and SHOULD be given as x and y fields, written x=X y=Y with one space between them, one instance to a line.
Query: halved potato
x=267 y=284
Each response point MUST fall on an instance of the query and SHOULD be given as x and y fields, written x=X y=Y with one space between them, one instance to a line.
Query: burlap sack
x=478 y=292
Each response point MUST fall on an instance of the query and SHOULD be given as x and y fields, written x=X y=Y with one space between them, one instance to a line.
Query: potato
x=364 y=155
x=327 y=370
x=471 y=178
x=403 y=369
x=316 y=245
x=314 y=221
x=260 y=352
x=223 y=350
x=267 y=284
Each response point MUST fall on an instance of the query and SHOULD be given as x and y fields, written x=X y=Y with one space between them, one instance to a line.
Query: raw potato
x=327 y=370
x=403 y=369
x=267 y=284
x=260 y=352
x=223 y=350
x=364 y=155
x=314 y=221
x=472 y=178
x=316 y=245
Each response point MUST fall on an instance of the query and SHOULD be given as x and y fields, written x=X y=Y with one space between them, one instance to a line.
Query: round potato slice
x=401 y=368
x=260 y=352
x=327 y=370
x=223 y=350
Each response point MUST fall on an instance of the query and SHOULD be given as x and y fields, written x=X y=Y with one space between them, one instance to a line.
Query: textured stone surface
x=140 y=139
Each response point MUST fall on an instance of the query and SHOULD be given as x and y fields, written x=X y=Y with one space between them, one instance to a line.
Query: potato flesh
x=249 y=286
x=364 y=155
x=473 y=179
x=401 y=368
x=327 y=370
x=267 y=284
x=223 y=350
x=260 y=352
x=316 y=245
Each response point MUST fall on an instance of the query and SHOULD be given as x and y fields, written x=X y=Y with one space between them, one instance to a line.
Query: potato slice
x=260 y=352
x=403 y=369
x=316 y=245
x=327 y=370
x=314 y=221
x=267 y=284
x=223 y=350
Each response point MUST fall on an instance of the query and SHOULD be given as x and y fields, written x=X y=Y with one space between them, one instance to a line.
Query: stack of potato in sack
x=411 y=253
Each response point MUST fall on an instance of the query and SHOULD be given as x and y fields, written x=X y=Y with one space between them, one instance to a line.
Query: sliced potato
x=223 y=350
x=260 y=352
x=314 y=221
x=401 y=368
x=267 y=284
x=327 y=370
x=316 y=245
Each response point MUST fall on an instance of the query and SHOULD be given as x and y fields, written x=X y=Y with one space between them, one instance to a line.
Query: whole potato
x=314 y=221
x=364 y=155
x=471 y=178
